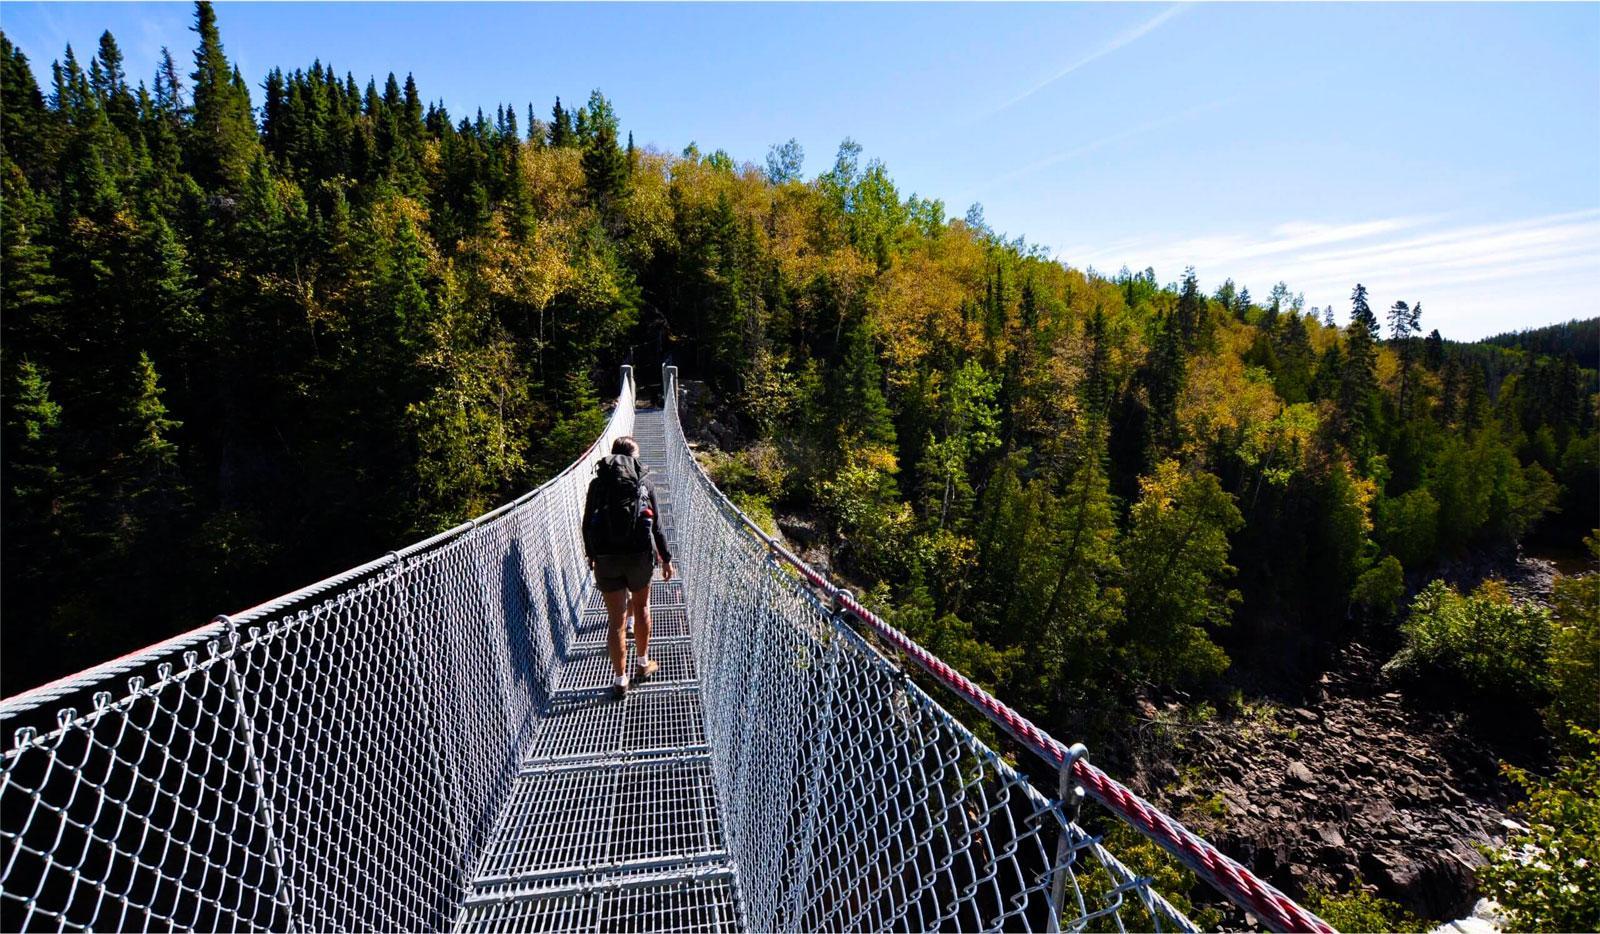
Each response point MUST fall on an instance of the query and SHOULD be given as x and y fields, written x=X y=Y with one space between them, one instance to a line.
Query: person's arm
x=655 y=530
x=583 y=523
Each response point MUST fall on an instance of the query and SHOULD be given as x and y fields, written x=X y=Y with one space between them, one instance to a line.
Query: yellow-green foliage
x=1146 y=859
x=1360 y=911
x=1486 y=642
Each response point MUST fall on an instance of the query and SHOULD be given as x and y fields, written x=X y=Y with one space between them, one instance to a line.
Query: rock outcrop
x=1358 y=786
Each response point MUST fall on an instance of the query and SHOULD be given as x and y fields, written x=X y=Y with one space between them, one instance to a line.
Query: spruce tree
x=1433 y=350
x=1191 y=311
x=150 y=424
x=168 y=86
x=223 y=142
x=857 y=405
x=412 y=124
x=1293 y=374
x=112 y=87
x=1165 y=370
x=24 y=121
x=1359 y=377
x=560 y=126
x=33 y=455
x=605 y=168
x=1096 y=387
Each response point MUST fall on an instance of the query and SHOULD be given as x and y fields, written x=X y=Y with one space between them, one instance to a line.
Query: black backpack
x=619 y=518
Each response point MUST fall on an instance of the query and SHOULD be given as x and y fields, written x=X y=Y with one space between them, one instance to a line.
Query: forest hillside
x=254 y=334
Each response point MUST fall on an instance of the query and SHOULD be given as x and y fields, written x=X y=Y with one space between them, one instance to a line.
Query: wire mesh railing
x=851 y=799
x=330 y=760
x=337 y=758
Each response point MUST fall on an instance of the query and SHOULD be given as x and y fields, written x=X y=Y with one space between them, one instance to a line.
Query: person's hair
x=625 y=445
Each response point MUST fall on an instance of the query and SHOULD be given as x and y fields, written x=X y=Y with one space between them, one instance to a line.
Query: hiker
x=622 y=537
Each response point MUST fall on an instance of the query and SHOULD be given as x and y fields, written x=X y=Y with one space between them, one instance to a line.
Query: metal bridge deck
x=613 y=824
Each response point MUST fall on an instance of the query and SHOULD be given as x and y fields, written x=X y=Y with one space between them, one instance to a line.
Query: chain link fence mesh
x=336 y=759
x=332 y=760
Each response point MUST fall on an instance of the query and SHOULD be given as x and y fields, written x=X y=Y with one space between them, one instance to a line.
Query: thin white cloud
x=1132 y=35
x=1474 y=279
x=1091 y=146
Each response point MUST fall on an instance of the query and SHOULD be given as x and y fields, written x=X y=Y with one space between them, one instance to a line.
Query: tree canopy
x=249 y=342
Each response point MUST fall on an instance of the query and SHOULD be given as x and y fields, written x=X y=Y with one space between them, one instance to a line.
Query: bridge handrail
x=217 y=628
x=337 y=763
x=1225 y=874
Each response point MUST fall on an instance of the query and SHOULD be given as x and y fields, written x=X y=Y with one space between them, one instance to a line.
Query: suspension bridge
x=428 y=741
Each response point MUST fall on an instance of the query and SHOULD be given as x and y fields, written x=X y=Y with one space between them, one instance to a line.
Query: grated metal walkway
x=612 y=824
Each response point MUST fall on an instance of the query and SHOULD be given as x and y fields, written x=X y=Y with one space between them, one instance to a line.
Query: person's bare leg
x=616 y=610
x=639 y=604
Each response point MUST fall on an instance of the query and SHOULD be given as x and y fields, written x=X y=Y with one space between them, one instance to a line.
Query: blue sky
x=1448 y=154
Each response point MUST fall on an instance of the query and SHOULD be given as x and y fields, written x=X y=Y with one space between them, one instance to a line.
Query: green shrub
x=1486 y=641
x=1357 y=911
x=757 y=508
x=1379 y=589
x=1548 y=879
x=1575 y=651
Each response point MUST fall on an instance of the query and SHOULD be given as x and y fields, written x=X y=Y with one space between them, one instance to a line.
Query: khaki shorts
x=623 y=572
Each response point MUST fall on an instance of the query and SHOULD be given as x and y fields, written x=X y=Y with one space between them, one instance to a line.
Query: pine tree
x=1330 y=368
x=403 y=286
x=1276 y=303
x=1225 y=295
x=1404 y=321
x=966 y=427
x=1475 y=407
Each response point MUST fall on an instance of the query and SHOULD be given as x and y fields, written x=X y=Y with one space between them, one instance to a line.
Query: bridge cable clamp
x=838 y=598
x=1070 y=791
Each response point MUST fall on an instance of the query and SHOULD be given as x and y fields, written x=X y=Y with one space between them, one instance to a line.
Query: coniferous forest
x=256 y=333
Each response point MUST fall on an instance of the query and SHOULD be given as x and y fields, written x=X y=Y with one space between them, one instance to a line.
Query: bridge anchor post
x=1071 y=795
